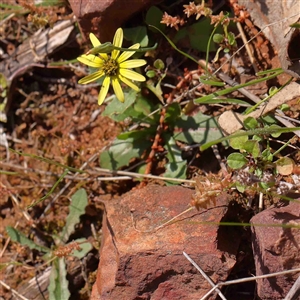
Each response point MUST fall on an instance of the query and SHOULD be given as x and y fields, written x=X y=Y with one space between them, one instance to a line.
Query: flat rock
x=276 y=249
x=140 y=261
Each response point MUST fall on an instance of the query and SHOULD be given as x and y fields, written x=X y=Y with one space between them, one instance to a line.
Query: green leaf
x=258 y=131
x=240 y=187
x=197 y=129
x=231 y=39
x=226 y=101
x=236 y=161
x=250 y=123
x=273 y=90
x=175 y=170
x=137 y=134
x=284 y=107
x=210 y=81
x=121 y=152
x=266 y=185
x=174 y=152
x=252 y=147
x=137 y=34
x=150 y=73
x=117 y=110
x=172 y=113
x=155 y=89
x=199 y=34
x=19 y=237
x=238 y=142
x=295 y=25
x=154 y=16
x=51 y=3
x=267 y=155
x=269 y=119
x=176 y=166
x=58 y=286
x=275 y=134
x=85 y=246
x=77 y=207
x=234 y=88
x=144 y=107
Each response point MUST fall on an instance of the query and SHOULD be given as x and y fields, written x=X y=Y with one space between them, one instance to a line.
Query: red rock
x=276 y=249
x=104 y=17
x=143 y=262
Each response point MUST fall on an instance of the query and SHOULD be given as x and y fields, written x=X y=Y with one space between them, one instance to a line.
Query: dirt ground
x=51 y=116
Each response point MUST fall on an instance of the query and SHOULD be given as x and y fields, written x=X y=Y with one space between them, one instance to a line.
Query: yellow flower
x=114 y=67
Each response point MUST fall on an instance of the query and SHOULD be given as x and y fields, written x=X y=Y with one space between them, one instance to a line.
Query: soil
x=53 y=117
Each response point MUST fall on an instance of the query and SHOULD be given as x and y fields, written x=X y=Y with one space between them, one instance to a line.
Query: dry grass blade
x=15 y=293
x=205 y=276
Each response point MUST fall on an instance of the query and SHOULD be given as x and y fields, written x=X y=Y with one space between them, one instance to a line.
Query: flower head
x=115 y=67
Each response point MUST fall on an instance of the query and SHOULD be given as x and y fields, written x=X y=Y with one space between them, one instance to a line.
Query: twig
x=205 y=276
x=137 y=175
x=241 y=31
x=124 y=175
x=243 y=91
x=17 y=203
x=93 y=157
x=173 y=219
x=294 y=291
x=3 y=141
x=260 y=201
x=12 y=290
x=7 y=19
x=249 y=279
x=218 y=157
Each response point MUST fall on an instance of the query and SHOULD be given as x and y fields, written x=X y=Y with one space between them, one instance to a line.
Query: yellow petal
x=132 y=75
x=118 y=40
x=104 y=90
x=96 y=43
x=94 y=40
x=92 y=77
x=117 y=89
x=133 y=63
x=91 y=60
x=129 y=83
x=126 y=54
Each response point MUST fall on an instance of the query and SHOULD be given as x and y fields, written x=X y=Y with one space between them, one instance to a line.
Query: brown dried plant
x=172 y=21
x=189 y=9
x=42 y=16
x=63 y=251
x=198 y=10
x=207 y=188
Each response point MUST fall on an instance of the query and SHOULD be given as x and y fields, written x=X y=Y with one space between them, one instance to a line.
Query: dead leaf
x=274 y=19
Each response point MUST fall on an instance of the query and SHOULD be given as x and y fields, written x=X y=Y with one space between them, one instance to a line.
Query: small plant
x=255 y=167
x=58 y=287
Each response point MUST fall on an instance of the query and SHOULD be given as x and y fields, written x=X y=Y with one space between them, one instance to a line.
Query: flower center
x=110 y=67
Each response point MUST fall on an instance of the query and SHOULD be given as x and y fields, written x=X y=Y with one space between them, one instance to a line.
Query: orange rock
x=139 y=262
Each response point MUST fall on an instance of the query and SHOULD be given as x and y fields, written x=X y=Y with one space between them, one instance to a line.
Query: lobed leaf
x=77 y=208
x=19 y=237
